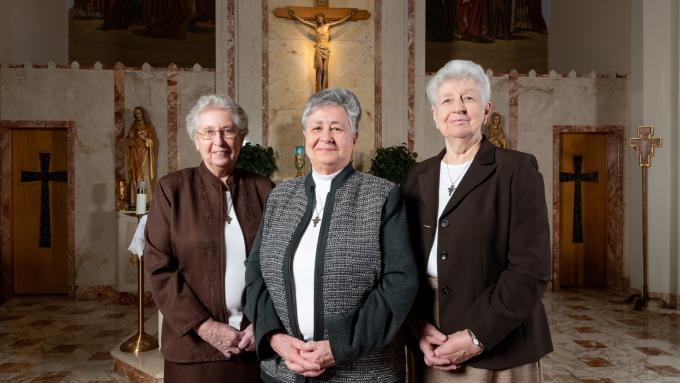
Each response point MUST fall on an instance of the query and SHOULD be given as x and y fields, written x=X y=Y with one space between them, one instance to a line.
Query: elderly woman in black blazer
x=479 y=220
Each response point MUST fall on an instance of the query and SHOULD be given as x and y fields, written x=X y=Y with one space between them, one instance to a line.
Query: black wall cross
x=578 y=177
x=44 y=176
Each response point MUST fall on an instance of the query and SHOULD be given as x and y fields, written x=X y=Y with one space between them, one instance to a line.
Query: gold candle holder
x=141 y=341
x=299 y=160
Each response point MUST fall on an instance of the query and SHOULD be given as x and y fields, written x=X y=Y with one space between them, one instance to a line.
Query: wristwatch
x=475 y=341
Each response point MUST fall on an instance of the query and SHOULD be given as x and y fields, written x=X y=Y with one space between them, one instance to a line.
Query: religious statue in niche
x=494 y=131
x=322 y=50
x=141 y=154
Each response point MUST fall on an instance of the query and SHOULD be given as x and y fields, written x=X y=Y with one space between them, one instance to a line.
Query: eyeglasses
x=226 y=133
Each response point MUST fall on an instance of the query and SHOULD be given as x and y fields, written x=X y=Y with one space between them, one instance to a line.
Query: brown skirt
x=244 y=369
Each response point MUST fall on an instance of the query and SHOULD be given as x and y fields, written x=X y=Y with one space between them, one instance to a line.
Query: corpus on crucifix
x=323 y=19
x=644 y=145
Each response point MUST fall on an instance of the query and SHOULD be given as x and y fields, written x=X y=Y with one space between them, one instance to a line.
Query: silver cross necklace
x=454 y=183
x=229 y=205
x=316 y=219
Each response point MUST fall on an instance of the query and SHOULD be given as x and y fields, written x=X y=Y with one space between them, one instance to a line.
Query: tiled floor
x=597 y=338
x=56 y=339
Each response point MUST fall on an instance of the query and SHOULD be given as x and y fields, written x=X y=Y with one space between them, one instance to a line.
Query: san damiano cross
x=644 y=146
x=321 y=18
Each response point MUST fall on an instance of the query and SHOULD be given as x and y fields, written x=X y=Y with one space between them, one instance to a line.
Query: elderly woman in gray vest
x=330 y=279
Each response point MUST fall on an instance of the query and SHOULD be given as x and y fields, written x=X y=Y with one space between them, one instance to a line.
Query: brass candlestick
x=141 y=341
x=299 y=160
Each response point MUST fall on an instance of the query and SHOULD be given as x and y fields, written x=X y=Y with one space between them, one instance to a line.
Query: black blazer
x=493 y=253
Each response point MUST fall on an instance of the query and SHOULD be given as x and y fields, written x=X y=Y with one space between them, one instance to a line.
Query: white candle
x=141 y=203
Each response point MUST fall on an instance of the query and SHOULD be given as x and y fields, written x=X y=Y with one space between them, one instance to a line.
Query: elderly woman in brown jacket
x=199 y=231
x=479 y=219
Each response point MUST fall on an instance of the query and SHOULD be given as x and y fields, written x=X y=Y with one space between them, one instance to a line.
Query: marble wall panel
x=79 y=96
x=427 y=140
x=285 y=133
x=249 y=64
x=191 y=86
x=87 y=97
x=534 y=124
x=592 y=101
x=291 y=78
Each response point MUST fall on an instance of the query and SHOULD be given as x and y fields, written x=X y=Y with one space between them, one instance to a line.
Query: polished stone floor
x=597 y=338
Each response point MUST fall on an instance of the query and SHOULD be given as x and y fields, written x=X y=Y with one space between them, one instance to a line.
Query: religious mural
x=498 y=34
x=133 y=32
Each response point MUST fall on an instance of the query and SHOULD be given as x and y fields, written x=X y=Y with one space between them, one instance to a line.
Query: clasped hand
x=225 y=338
x=441 y=351
x=308 y=359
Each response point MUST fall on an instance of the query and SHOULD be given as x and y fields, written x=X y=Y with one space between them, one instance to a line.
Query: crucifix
x=577 y=177
x=316 y=220
x=44 y=176
x=321 y=18
x=644 y=146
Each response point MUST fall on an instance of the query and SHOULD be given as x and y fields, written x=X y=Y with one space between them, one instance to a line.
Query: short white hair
x=459 y=70
x=221 y=102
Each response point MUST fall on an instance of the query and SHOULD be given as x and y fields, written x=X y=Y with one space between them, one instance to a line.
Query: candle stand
x=141 y=341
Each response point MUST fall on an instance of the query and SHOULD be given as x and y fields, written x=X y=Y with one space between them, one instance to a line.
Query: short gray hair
x=221 y=102
x=458 y=70
x=334 y=96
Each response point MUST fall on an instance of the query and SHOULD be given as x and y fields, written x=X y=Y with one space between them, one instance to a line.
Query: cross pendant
x=316 y=220
x=452 y=189
x=228 y=220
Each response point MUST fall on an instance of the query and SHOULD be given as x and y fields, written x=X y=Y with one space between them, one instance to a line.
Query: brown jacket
x=184 y=255
x=493 y=258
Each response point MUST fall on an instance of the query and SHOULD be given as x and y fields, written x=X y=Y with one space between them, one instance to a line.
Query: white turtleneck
x=304 y=259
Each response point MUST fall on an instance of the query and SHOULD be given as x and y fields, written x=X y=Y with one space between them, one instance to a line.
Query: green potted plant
x=257 y=159
x=392 y=162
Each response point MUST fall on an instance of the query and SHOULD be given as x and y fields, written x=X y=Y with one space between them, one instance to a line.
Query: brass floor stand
x=141 y=341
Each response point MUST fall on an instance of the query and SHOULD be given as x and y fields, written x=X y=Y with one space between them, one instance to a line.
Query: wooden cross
x=644 y=145
x=316 y=220
x=577 y=177
x=323 y=19
x=44 y=176
x=321 y=6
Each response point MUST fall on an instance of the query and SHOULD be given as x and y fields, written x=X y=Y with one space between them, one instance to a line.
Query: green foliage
x=393 y=162
x=257 y=159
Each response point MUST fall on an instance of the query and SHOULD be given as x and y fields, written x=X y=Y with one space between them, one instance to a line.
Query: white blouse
x=448 y=175
x=304 y=260
x=235 y=274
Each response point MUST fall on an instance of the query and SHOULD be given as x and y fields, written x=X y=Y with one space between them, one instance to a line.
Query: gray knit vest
x=352 y=268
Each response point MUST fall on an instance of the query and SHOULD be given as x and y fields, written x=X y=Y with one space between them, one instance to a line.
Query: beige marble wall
x=86 y=97
x=192 y=85
x=80 y=96
x=291 y=78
